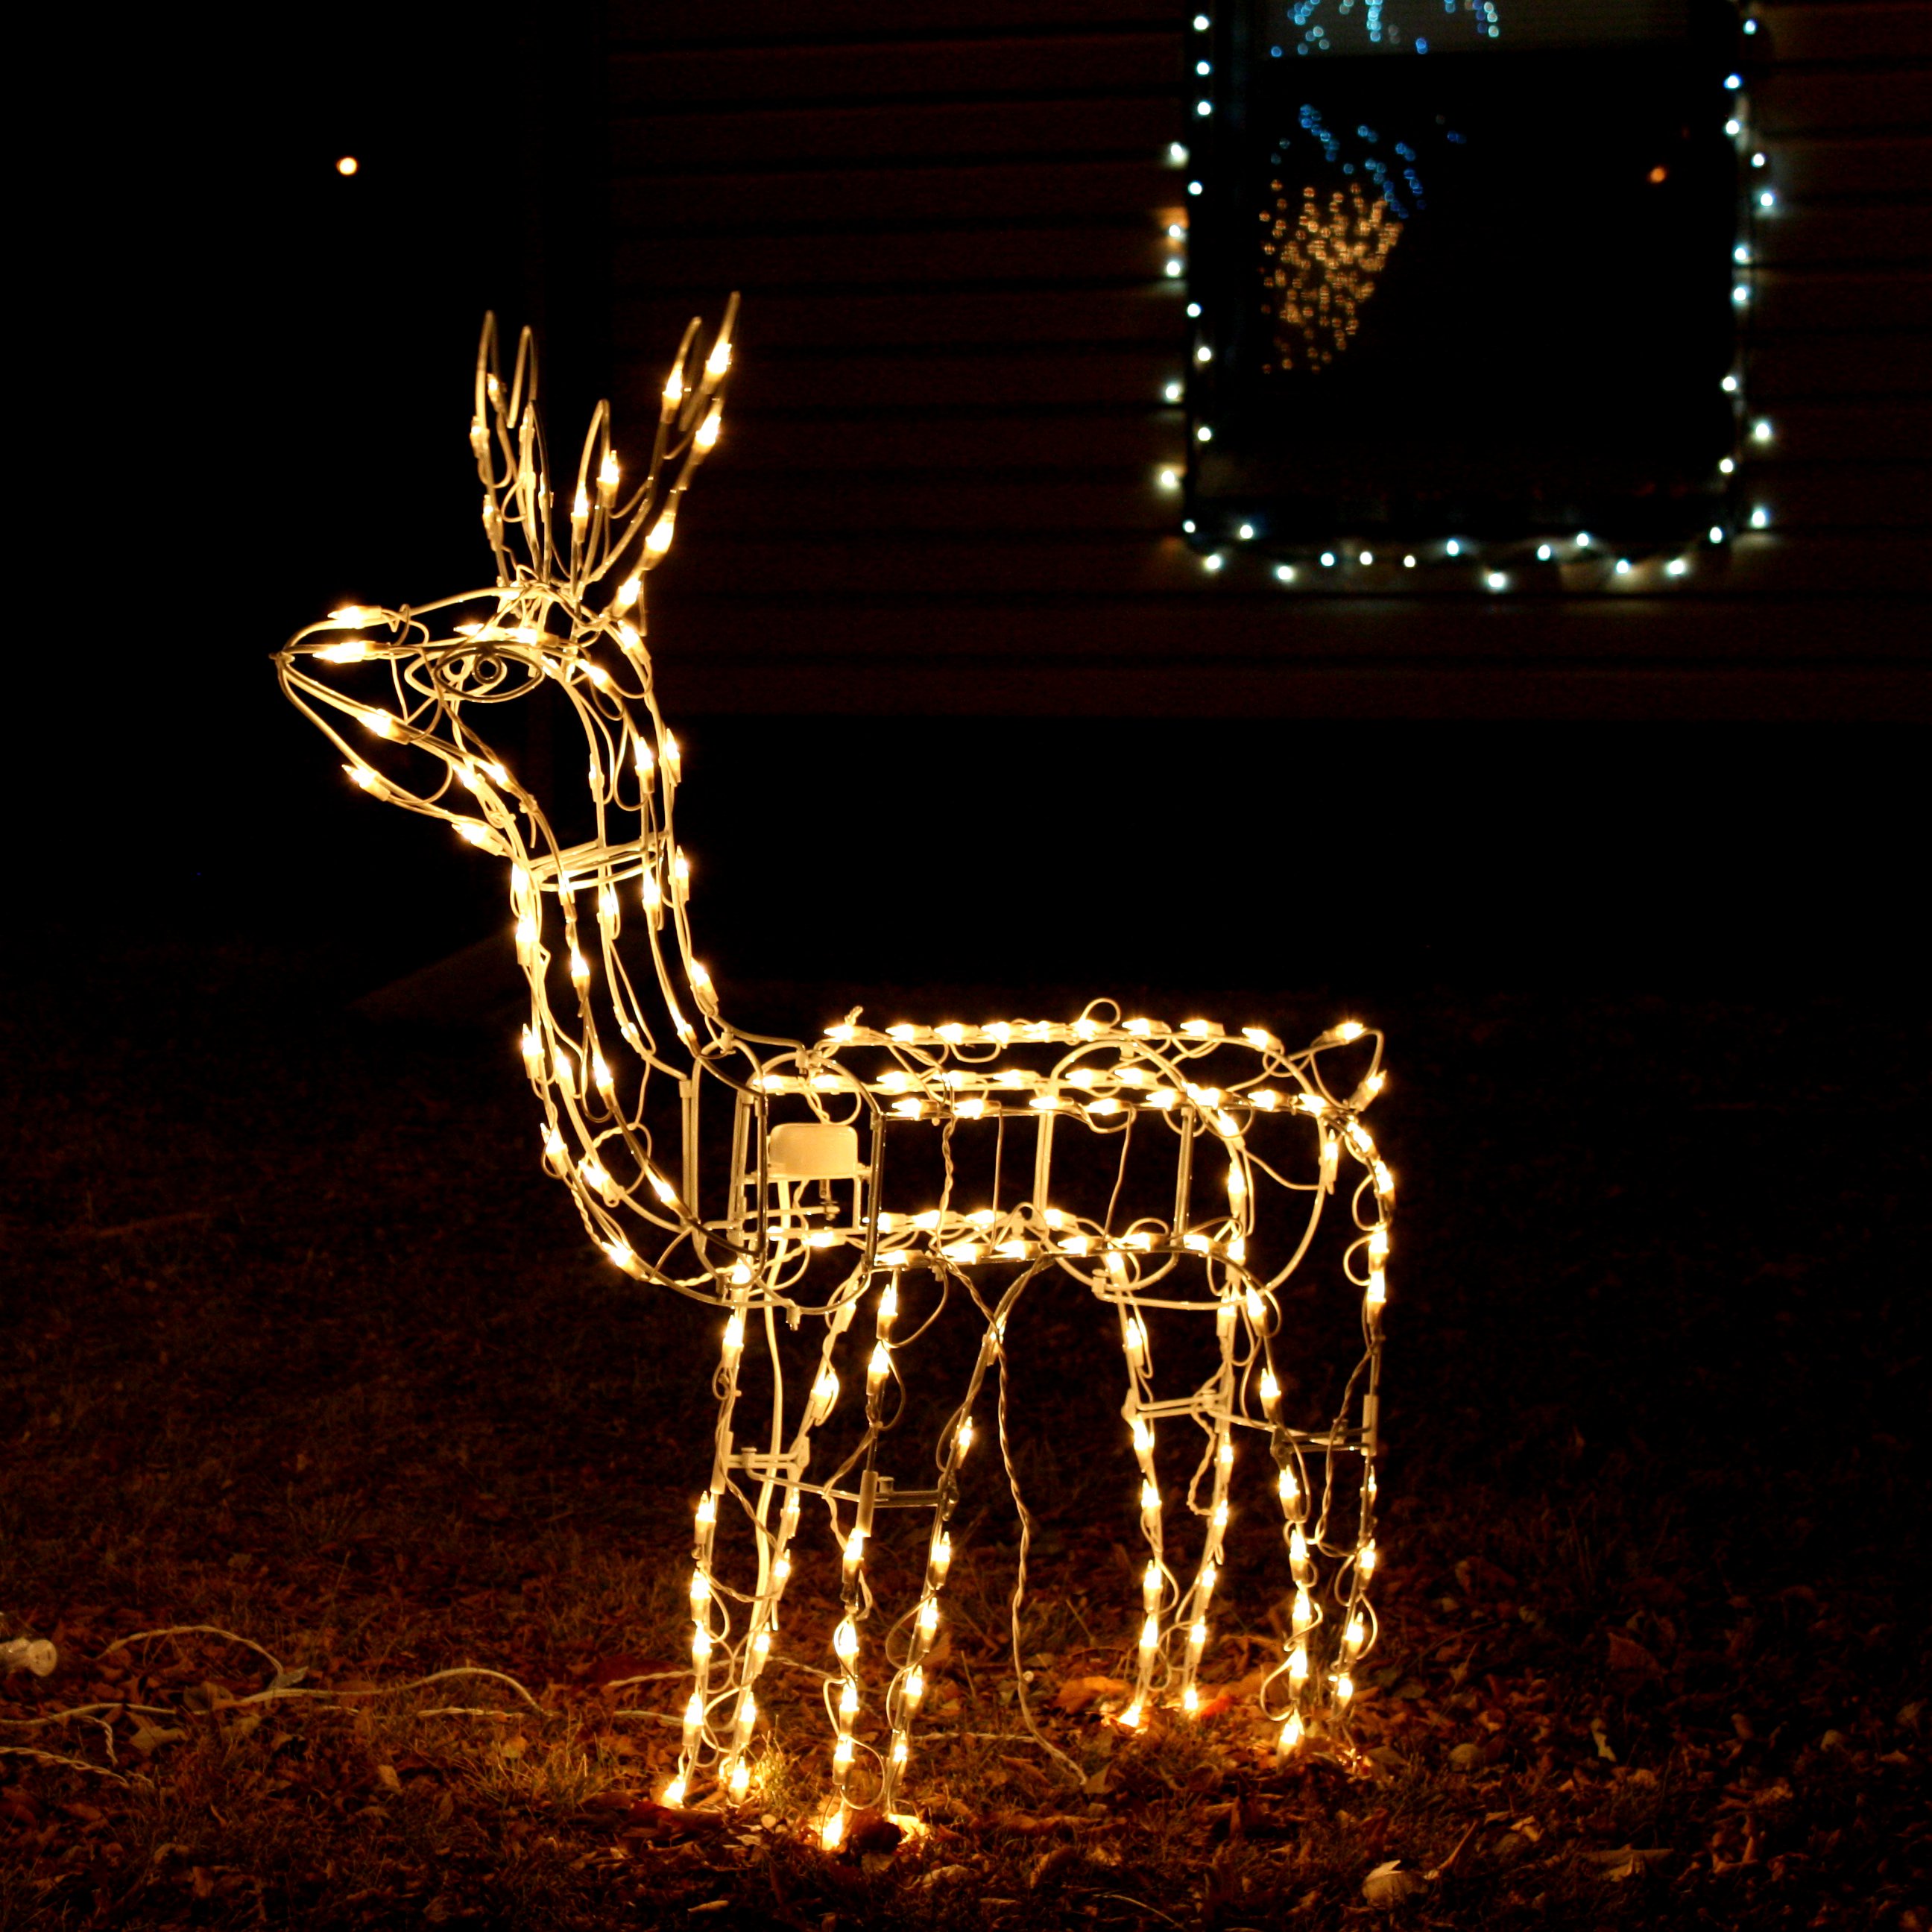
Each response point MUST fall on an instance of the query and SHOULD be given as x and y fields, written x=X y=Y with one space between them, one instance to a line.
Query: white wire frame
x=806 y=1229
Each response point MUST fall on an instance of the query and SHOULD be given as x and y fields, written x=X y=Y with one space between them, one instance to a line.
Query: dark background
x=1632 y=877
x=929 y=607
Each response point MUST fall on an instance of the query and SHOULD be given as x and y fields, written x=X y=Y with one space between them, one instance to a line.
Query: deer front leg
x=767 y=1486
x=907 y=1690
x=1214 y=1408
x=710 y=1615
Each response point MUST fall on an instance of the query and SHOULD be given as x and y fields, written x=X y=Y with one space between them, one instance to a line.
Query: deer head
x=405 y=692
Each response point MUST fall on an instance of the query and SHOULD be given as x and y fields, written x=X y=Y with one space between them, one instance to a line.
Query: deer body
x=787 y=1182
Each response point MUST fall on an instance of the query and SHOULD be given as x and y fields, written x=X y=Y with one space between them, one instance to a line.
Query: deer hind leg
x=1174 y=1615
x=1320 y=1675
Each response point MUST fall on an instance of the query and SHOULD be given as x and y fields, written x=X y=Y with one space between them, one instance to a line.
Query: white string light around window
x=1223 y=1151
x=1322 y=261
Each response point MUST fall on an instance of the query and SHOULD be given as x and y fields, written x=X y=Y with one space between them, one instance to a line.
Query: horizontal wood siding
x=938 y=488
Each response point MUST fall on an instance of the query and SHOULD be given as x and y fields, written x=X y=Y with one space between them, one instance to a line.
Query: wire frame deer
x=789 y=1183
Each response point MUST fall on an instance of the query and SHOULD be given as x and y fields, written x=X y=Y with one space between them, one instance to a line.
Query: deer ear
x=486 y=418
x=523 y=383
x=489 y=378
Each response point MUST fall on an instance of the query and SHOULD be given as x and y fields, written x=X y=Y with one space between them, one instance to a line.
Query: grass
x=303 y=1347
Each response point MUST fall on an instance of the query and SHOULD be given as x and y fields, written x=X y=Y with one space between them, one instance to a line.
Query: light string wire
x=285 y=1686
x=804 y=1229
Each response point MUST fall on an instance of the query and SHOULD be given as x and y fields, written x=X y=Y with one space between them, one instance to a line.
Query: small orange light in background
x=1658 y=174
x=349 y=164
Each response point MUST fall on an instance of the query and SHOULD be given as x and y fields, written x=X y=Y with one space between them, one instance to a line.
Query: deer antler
x=606 y=536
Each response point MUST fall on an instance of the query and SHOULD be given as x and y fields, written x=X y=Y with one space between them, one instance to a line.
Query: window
x=1466 y=273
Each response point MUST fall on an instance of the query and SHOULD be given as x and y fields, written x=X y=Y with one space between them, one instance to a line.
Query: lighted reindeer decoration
x=625 y=1056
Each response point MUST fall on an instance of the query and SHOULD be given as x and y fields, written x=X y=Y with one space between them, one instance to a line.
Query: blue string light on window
x=1370 y=26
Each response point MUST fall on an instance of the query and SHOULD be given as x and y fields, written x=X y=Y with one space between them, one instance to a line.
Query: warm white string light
x=817 y=1223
